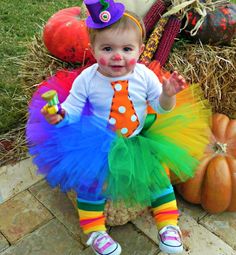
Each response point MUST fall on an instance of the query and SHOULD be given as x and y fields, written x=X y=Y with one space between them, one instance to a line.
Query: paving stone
x=147 y=225
x=21 y=215
x=3 y=243
x=50 y=239
x=16 y=178
x=223 y=225
x=133 y=241
x=87 y=251
x=61 y=207
x=192 y=210
x=198 y=240
x=25 y=220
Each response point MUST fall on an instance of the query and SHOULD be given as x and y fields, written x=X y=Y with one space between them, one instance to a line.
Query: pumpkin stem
x=84 y=12
x=220 y=148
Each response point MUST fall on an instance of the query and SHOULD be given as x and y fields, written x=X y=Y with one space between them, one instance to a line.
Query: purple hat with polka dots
x=103 y=13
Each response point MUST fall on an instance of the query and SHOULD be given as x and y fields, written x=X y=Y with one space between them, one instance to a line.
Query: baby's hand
x=174 y=84
x=52 y=118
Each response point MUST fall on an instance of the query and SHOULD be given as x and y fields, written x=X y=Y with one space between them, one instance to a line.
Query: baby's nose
x=117 y=57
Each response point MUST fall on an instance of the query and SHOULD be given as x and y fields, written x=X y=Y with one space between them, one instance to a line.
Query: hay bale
x=115 y=215
x=13 y=146
x=213 y=68
x=38 y=64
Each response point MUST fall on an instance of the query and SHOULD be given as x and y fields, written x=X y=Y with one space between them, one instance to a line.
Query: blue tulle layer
x=74 y=156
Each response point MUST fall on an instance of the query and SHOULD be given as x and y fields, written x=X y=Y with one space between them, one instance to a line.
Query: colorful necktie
x=122 y=114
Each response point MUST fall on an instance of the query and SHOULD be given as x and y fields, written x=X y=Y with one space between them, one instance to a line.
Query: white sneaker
x=103 y=244
x=170 y=239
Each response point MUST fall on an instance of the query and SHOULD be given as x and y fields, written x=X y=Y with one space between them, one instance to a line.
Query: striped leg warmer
x=164 y=208
x=91 y=216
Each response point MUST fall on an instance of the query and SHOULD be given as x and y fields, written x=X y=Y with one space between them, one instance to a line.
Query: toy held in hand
x=53 y=105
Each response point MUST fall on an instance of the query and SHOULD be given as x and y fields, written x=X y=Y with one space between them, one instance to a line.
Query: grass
x=19 y=21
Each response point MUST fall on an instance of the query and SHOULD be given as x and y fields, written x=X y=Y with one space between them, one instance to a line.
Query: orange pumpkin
x=66 y=37
x=214 y=185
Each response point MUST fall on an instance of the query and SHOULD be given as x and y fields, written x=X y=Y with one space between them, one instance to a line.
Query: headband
x=135 y=21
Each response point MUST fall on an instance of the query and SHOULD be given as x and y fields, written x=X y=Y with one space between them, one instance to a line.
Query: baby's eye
x=127 y=49
x=107 y=48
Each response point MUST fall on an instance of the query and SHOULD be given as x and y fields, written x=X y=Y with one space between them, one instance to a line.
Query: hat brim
x=119 y=14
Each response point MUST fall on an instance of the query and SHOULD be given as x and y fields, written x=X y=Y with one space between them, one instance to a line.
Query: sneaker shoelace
x=103 y=242
x=171 y=235
x=100 y=241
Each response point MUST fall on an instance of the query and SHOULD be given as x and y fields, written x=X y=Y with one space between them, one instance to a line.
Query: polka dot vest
x=122 y=114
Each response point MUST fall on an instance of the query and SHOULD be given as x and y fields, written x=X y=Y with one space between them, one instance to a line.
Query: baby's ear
x=141 y=49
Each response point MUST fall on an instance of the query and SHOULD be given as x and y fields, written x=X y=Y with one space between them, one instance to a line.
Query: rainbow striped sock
x=164 y=209
x=91 y=216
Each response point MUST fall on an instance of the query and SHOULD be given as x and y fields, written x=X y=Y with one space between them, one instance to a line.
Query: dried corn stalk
x=153 y=41
x=171 y=31
x=153 y=15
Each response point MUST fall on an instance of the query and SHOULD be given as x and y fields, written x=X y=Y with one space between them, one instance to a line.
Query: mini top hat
x=103 y=13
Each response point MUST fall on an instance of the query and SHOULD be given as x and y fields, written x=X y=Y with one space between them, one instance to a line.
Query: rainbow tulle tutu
x=94 y=161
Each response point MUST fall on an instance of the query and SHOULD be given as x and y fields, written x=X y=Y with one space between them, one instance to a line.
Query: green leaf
x=177 y=8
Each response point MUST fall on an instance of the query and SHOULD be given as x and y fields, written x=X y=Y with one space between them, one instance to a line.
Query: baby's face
x=117 y=52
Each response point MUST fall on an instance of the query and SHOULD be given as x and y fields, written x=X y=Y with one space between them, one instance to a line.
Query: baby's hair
x=125 y=22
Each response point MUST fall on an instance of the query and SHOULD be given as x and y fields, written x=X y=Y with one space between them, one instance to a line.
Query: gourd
x=214 y=185
x=219 y=26
x=66 y=37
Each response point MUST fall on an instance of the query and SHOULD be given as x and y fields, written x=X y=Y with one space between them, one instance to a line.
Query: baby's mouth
x=116 y=66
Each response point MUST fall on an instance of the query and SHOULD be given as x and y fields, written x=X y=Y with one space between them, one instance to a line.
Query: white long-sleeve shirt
x=143 y=88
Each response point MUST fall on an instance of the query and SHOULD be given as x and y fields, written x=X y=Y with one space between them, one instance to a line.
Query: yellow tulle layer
x=191 y=130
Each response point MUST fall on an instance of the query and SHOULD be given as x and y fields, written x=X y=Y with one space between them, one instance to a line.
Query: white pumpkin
x=140 y=7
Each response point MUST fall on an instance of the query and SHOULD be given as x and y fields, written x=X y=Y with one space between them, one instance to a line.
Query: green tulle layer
x=137 y=168
x=176 y=141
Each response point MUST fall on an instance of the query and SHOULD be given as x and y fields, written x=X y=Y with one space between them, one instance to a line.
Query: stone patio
x=36 y=220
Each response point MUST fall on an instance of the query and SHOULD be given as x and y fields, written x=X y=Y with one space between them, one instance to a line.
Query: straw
x=213 y=68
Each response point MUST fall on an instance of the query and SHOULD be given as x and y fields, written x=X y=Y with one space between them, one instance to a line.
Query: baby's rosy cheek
x=132 y=62
x=102 y=61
